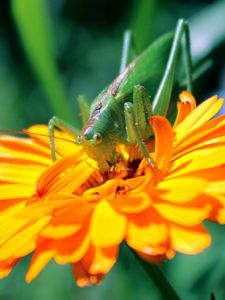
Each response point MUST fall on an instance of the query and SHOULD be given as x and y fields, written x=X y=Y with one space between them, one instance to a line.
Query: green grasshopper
x=120 y=114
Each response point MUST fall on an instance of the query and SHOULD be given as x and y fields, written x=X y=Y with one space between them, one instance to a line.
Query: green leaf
x=33 y=25
x=142 y=22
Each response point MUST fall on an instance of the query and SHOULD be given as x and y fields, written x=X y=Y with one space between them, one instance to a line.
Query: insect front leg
x=163 y=95
x=133 y=134
x=52 y=124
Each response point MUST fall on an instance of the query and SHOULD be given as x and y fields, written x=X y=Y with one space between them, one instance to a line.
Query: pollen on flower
x=73 y=212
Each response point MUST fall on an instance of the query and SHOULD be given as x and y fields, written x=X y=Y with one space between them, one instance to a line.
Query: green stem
x=156 y=275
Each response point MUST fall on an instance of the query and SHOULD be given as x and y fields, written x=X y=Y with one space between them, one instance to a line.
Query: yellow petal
x=189 y=241
x=15 y=191
x=24 y=149
x=40 y=259
x=187 y=216
x=216 y=187
x=68 y=222
x=64 y=142
x=132 y=202
x=221 y=216
x=205 y=133
x=19 y=174
x=22 y=242
x=204 y=112
x=66 y=175
x=9 y=224
x=107 y=226
x=196 y=161
x=180 y=189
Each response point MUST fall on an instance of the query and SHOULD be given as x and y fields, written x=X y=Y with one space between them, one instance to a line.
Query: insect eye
x=97 y=137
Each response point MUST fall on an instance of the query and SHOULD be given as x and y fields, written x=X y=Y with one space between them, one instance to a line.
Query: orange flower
x=72 y=212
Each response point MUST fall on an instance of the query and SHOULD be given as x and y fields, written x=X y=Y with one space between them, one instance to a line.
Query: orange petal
x=188 y=98
x=100 y=260
x=184 y=107
x=83 y=278
x=73 y=248
x=163 y=141
x=159 y=254
x=189 y=241
x=6 y=267
x=107 y=226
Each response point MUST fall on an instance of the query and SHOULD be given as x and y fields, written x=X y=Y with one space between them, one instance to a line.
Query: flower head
x=72 y=212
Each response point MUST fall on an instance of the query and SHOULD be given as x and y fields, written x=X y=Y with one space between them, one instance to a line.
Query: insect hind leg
x=128 y=51
x=162 y=98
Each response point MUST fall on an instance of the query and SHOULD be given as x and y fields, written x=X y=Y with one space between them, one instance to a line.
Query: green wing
x=146 y=69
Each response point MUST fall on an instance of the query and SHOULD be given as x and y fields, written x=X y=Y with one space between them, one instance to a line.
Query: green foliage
x=33 y=25
x=143 y=20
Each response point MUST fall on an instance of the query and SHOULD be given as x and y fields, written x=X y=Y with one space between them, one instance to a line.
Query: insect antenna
x=27 y=132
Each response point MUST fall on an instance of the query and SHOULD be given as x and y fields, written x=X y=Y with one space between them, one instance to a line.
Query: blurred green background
x=52 y=51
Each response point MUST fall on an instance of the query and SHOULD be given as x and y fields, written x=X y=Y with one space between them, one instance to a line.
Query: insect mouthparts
x=79 y=139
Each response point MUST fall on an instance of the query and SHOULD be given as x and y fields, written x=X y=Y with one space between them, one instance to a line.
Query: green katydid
x=120 y=113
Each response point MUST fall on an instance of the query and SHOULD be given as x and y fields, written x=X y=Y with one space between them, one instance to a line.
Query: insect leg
x=128 y=50
x=142 y=111
x=163 y=95
x=133 y=134
x=56 y=122
x=84 y=108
